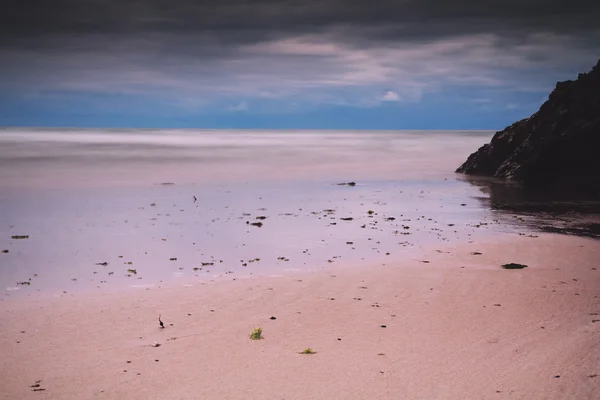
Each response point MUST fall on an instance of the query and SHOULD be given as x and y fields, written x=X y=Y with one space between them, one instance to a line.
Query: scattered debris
x=104 y=264
x=132 y=271
x=36 y=386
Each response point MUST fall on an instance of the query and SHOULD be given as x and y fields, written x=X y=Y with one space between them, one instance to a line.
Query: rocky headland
x=557 y=148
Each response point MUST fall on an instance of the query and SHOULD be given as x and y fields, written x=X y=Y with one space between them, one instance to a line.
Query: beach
x=458 y=326
x=377 y=258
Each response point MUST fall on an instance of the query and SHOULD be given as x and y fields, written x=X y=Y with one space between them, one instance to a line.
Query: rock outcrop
x=557 y=147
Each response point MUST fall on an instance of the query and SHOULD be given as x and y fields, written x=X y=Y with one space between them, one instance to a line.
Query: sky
x=329 y=64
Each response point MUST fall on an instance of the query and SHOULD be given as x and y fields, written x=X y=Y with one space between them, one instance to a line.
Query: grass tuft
x=256 y=334
x=308 y=350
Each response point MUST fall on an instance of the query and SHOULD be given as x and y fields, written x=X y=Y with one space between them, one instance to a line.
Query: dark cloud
x=331 y=51
x=241 y=21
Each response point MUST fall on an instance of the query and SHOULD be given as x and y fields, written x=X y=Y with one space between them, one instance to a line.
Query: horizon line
x=234 y=129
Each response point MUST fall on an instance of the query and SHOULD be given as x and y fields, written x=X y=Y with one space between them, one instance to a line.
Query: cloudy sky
x=382 y=64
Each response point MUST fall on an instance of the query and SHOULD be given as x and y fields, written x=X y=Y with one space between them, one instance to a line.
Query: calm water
x=126 y=197
x=94 y=158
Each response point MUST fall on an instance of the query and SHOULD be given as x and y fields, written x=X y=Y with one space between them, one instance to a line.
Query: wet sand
x=444 y=323
x=87 y=240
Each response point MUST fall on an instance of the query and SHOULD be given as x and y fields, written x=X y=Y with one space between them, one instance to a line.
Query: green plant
x=308 y=350
x=256 y=334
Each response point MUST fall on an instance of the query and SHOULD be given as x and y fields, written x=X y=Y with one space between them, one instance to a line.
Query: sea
x=102 y=210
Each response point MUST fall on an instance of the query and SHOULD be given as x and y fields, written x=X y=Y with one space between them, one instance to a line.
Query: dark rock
x=4 y=251
x=514 y=266
x=554 y=148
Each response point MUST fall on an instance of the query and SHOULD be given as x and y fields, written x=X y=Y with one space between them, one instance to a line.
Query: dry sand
x=457 y=327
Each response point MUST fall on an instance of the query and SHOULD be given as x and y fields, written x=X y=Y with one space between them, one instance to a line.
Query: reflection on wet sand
x=566 y=212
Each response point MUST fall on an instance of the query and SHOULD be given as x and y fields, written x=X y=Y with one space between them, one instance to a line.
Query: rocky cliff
x=557 y=147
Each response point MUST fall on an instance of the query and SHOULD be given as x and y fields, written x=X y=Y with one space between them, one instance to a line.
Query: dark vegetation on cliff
x=556 y=148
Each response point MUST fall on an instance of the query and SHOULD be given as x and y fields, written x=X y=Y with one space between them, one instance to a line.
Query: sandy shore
x=456 y=327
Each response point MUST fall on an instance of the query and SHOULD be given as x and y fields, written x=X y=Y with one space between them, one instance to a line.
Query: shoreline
x=456 y=327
